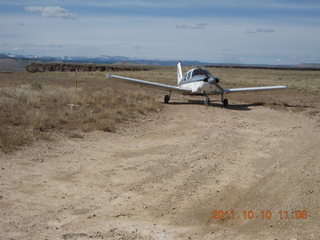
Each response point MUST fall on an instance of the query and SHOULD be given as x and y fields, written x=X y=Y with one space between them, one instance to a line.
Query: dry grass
x=303 y=87
x=35 y=105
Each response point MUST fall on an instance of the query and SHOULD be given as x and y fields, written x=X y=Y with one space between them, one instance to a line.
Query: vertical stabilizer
x=179 y=72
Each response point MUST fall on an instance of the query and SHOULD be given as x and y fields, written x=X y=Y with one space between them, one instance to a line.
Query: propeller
x=209 y=79
x=213 y=80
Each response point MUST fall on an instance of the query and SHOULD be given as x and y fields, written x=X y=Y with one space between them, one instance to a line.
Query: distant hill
x=301 y=67
x=11 y=62
x=13 y=65
x=17 y=63
x=85 y=67
x=309 y=65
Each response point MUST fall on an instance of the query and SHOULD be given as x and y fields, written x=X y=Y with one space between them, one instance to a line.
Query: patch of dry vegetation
x=35 y=105
x=32 y=106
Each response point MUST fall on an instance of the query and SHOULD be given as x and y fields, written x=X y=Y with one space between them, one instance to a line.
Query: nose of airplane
x=213 y=80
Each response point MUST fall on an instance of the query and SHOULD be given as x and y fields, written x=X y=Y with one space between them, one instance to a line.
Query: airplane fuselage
x=198 y=87
x=199 y=81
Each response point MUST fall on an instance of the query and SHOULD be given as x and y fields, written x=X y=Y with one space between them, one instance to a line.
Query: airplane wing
x=150 y=84
x=231 y=90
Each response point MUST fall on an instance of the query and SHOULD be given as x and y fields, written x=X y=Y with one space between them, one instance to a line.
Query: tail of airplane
x=179 y=72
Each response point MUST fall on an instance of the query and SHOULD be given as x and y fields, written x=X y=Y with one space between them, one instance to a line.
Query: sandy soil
x=162 y=177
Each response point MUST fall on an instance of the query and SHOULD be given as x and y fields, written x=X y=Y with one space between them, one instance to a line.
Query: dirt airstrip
x=162 y=176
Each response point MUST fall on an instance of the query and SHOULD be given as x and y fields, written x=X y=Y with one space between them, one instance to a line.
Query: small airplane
x=196 y=82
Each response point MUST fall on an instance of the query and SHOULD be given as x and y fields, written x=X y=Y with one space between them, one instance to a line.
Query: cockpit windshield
x=200 y=71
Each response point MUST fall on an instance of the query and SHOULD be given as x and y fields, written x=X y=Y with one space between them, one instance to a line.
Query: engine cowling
x=213 y=80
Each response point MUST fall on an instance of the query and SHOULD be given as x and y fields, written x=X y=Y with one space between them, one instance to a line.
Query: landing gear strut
x=166 y=98
x=224 y=101
x=206 y=100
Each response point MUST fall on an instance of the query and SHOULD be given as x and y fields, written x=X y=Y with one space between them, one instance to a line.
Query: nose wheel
x=207 y=100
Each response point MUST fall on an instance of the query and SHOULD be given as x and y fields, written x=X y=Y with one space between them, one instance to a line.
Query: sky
x=216 y=31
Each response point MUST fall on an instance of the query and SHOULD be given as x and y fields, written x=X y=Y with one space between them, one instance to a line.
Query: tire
x=166 y=99
x=225 y=102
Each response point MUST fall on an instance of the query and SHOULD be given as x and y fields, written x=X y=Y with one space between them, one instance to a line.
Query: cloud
x=193 y=26
x=260 y=30
x=265 y=30
x=137 y=47
x=49 y=11
x=250 y=32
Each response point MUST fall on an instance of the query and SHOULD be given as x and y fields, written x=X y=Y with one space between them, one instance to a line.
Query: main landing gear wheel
x=207 y=100
x=166 y=99
x=225 y=102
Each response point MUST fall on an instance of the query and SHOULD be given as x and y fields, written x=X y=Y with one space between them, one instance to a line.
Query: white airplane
x=196 y=82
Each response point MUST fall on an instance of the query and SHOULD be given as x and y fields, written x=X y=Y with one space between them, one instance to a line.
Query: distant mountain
x=309 y=65
x=13 y=64
x=3 y=56
x=99 y=59
x=17 y=63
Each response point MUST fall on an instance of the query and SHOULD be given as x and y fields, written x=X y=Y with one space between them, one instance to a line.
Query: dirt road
x=162 y=178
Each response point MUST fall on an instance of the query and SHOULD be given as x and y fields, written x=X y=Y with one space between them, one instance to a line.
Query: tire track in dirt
x=161 y=178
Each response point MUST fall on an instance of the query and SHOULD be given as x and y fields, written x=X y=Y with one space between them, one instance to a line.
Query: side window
x=195 y=72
